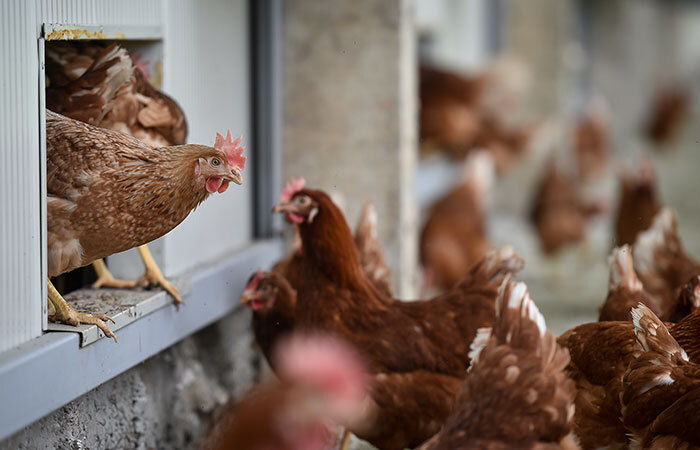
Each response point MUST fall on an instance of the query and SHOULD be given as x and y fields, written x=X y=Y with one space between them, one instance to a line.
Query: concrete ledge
x=52 y=370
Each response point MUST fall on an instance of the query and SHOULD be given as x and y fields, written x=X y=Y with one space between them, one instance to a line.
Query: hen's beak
x=235 y=176
x=284 y=208
x=247 y=297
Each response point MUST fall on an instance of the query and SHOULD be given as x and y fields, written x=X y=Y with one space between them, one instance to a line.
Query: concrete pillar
x=350 y=113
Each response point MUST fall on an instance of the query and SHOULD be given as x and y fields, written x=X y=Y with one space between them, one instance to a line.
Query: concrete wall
x=349 y=113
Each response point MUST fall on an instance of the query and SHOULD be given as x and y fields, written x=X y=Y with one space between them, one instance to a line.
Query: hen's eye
x=215 y=162
x=301 y=200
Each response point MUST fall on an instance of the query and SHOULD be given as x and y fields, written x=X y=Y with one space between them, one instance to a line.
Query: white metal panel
x=101 y=12
x=20 y=185
x=206 y=68
x=458 y=30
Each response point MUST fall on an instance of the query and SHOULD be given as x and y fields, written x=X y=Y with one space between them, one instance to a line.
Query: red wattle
x=224 y=186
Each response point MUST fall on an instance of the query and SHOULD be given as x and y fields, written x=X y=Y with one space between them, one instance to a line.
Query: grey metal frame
x=266 y=38
x=26 y=395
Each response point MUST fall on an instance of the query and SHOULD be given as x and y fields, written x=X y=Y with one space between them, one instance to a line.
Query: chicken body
x=460 y=113
x=516 y=394
x=99 y=85
x=108 y=192
x=660 y=259
x=454 y=237
x=600 y=354
x=626 y=290
x=409 y=346
x=322 y=383
x=661 y=389
x=273 y=299
x=559 y=213
x=638 y=203
x=591 y=142
x=668 y=111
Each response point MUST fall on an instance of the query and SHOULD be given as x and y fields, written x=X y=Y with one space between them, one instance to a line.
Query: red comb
x=295 y=185
x=255 y=281
x=233 y=152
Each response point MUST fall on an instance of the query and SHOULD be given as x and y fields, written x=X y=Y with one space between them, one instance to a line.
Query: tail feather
x=479 y=173
x=653 y=239
x=622 y=272
x=87 y=97
x=653 y=336
x=498 y=263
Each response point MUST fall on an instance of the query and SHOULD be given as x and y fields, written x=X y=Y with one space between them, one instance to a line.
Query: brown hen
x=100 y=86
x=418 y=347
x=108 y=192
x=638 y=203
x=661 y=389
x=600 y=354
x=660 y=259
x=516 y=394
x=559 y=213
x=626 y=291
x=322 y=385
x=461 y=113
x=669 y=109
x=454 y=236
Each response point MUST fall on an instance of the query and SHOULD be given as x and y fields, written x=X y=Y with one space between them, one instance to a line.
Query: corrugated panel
x=101 y=12
x=206 y=68
x=20 y=192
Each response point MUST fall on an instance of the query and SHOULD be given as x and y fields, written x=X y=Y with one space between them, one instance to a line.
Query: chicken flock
x=472 y=365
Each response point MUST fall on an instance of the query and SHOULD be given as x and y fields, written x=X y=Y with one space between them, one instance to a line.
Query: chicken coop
x=409 y=174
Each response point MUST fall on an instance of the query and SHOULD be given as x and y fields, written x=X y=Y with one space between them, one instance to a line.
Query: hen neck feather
x=329 y=248
x=164 y=176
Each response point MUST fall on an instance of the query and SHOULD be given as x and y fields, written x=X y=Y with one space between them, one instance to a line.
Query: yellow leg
x=346 y=440
x=105 y=278
x=61 y=311
x=154 y=276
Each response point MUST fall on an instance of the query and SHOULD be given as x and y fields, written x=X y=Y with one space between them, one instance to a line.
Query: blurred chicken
x=660 y=260
x=108 y=192
x=591 y=141
x=559 y=212
x=669 y=109
x=460 y=113
x=454 y=237
x=638 y=203
x=272 y=300
x=661 y=389
x=414 y=386
x=322 y=384
x=516 y=394
x=626 y=291
x=100 y=86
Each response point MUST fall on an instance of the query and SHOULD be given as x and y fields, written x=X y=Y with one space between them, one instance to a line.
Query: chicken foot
x=105 y=278
x=152 y=277
x=61 y=311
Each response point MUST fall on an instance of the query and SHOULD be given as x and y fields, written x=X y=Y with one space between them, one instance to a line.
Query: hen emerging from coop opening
x=118 y=172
